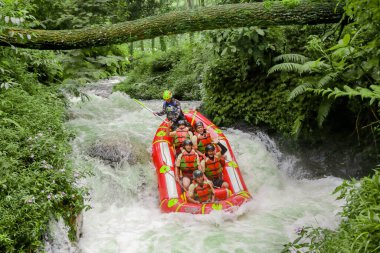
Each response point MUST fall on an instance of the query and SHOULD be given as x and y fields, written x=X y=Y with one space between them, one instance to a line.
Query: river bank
x=125 y=216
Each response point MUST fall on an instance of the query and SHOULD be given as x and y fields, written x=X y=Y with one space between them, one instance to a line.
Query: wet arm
x=163 y=111
x=190 y=195
x=198 y=162
x=177 y=165
x=203 y=165
x=213 y=191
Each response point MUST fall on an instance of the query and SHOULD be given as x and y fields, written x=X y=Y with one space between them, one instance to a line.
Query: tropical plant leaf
x=327 y=79
x=295 y=58
x=286 y=67
x=297 y=125
x=300 y=89
x=373 y=94
x=323 y=111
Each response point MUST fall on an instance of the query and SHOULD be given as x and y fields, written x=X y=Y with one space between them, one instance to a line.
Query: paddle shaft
x=144 y=106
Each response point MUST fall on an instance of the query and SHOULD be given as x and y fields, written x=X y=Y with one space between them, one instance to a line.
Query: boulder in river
x=114 y=151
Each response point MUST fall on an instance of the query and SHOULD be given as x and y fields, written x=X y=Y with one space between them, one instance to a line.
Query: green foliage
x=359 y=230
x=236 y=84
x=95 y=63
x=36 y=182
x=232 y=94
x=67 y=14
x=373 y=93
x=323 y=111
x=153 y=73
x=342 y=70
x=249 y=42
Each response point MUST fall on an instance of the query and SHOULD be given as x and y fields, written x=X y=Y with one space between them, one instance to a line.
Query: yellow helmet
x=167 y=95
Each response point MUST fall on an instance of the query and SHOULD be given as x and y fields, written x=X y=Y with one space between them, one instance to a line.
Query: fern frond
x=313 y=66
x=373 y=93
x=323 y=110
x=286 y=67
x=295 y=58
x=297 y=125
x=326 y=79
x=375 y=88
x=300 y=89
x=343 y=52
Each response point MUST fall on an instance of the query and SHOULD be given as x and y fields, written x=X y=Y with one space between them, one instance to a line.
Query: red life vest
x=213 y=168
x=203 y=193
x=180 y=136
x=189 y=163
x=203 y=140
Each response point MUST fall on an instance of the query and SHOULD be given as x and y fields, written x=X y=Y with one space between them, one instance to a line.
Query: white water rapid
x=113 y=140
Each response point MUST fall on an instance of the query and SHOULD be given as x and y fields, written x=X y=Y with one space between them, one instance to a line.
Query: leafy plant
x=340 y=66
x=153 y=73
x=359 y=230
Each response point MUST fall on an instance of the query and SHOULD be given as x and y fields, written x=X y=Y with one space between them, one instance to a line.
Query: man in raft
x=172 y=109
x=213 y=165
x=202 y=138
x=187 y=162
x=179 y=135
x=201 y=190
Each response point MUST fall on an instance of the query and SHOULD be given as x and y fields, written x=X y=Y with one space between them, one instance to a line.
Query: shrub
x=153 y=73
x=359 y=230
x=36 y=181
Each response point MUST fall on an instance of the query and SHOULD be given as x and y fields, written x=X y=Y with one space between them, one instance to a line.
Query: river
x=113 y=140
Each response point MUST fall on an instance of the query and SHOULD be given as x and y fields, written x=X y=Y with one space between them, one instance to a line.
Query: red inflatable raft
x=172 y=198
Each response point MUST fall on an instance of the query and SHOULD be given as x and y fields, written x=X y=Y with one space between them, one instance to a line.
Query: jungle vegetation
x=303 y=81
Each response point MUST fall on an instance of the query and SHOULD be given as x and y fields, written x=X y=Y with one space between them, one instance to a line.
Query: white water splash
x=125 y=216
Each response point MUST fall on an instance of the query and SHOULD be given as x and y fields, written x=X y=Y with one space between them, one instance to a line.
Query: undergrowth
x=359 y=230
x=36 y=181
x=178 y=69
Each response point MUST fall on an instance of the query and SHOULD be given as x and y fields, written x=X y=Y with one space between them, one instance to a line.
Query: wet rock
x=103 y=88
x=115 y=151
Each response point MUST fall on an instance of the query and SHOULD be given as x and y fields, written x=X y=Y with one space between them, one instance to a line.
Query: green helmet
x=167 y=95
x=197 y=174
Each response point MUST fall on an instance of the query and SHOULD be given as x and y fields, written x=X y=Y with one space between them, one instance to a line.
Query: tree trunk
x=153 y=45
x=142 y=45
x=162 y=43
x=190 y=4
x=207 y=18
x=191 y=34
x=131 y=48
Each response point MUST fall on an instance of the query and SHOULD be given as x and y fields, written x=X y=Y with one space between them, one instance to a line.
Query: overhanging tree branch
x=208 y=18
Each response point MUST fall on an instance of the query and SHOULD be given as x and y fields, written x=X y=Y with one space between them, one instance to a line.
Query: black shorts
x=217 y=182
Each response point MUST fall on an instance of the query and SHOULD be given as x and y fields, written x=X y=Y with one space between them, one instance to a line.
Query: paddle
x=144 y=106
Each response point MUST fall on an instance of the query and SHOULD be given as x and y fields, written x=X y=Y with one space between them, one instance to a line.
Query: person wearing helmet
x=213 y=166
x=201 y=190
x=187 y=162
x=179 y=135
x=202 y=138
x=172 y=108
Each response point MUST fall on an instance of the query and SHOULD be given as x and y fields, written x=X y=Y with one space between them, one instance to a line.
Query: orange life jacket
x=180 y=136
x=203 y=140
x=188 y=163
x=213 y=168
x=203 y=193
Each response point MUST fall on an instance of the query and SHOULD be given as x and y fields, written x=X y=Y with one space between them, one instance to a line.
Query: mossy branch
x=207 y=18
